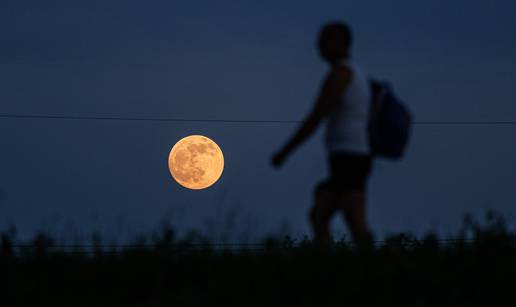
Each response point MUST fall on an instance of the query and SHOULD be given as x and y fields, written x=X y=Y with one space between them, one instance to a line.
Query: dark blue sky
x=449 y=60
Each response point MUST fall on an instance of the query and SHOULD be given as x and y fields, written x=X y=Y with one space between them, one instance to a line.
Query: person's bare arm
x=330 y=93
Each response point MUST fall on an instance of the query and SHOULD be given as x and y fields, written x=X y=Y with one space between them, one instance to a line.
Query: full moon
x=196 y=162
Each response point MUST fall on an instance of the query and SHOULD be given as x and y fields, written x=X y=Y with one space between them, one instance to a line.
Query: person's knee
x=350 y=200
x=320 y=215
x=324 y=206
x=323 y=193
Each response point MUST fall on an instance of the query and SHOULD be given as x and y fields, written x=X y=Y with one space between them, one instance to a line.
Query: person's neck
x=338 y=62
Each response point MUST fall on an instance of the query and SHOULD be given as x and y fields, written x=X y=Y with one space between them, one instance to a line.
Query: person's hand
x=278 y=159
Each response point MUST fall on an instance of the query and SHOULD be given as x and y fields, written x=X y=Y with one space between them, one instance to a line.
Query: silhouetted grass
x=163 y=270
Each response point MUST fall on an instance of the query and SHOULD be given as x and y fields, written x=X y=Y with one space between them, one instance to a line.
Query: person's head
x=334 y=41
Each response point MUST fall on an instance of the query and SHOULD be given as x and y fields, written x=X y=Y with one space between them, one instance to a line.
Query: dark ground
x=401 y=271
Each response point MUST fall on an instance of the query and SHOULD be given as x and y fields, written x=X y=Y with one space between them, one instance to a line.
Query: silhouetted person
x=344 y=100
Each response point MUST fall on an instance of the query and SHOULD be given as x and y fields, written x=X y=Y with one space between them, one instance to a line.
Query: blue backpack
x=390 y=122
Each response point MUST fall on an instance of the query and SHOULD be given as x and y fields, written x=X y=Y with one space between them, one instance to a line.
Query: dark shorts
x=349 y=171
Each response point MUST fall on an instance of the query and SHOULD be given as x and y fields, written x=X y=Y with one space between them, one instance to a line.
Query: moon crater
x=196 y=162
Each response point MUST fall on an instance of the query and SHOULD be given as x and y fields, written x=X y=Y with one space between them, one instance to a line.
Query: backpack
x=390 y=122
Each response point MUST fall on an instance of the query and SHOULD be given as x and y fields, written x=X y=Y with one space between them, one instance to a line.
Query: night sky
x=448 y=60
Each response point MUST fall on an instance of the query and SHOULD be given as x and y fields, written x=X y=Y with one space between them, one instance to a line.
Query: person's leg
x=321 y=213
x=353 y=205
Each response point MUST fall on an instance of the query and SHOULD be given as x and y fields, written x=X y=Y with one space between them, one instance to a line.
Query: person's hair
x=335 y=39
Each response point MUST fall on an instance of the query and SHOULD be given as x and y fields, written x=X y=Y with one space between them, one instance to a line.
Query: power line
x=466 y=122
x=151 y=119
x=403 y=242
x=236 y=121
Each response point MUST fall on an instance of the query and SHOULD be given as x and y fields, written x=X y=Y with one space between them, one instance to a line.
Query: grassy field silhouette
x=477 y=268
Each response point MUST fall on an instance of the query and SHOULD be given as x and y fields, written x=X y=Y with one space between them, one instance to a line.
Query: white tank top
x=347 y=125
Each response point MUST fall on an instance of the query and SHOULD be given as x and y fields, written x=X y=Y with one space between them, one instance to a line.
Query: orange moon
x=196 y=162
